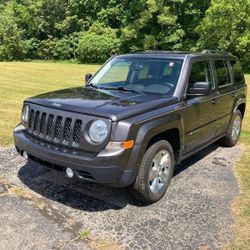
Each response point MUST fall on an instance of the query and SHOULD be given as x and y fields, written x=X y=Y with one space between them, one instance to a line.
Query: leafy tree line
x=91 y=30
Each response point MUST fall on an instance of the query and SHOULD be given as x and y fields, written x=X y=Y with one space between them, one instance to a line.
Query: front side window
x=222 y=72
x=237 y=71
x=148 y=75
x=200 y=72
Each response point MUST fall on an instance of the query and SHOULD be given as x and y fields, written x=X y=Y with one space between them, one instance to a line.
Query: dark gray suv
x=137 y=117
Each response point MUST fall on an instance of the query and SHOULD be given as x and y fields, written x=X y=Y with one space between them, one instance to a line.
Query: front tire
x=233 y=133
x=155 y=173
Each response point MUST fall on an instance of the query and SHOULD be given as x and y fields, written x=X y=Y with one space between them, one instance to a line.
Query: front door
x=200 y=116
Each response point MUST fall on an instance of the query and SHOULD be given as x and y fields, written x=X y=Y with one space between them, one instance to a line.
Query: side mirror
x=87 y=78
x=199 y=89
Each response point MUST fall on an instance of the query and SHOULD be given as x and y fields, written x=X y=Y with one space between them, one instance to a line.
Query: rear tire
x=234 y=130
x=155 y=173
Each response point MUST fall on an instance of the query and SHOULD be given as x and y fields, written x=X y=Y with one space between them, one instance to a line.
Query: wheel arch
x=170 y=130
x=242 y=108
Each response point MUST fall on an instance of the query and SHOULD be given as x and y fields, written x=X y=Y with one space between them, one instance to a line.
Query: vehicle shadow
x=86 y=196
x=194 y=159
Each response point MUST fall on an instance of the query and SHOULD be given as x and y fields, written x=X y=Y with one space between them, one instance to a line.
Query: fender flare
x=241 y=100
x=154 y=127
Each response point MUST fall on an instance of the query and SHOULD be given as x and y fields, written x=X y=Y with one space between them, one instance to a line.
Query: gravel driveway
x=194 y=214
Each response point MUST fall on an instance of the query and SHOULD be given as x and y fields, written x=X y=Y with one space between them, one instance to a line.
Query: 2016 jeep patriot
x=136 y=118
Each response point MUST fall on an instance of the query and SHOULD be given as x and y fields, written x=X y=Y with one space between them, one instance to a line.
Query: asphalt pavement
x=43 y=209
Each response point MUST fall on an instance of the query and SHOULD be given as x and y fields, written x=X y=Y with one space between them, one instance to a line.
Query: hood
x=113 y=104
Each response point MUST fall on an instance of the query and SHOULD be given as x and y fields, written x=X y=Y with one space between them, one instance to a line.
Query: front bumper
x=116 y=169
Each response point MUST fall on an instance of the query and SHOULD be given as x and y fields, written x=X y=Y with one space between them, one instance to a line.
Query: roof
x=178 y=54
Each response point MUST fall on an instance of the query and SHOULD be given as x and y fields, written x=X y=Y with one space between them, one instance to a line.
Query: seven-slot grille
x=55 y=128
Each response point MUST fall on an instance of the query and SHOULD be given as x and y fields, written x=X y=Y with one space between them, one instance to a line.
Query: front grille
x=55 y=128
x=43 y=125
x=77 y=131
x=36 y=122
x=31 y=119
x=50 y=126
x=67 y=128
x=58 y=127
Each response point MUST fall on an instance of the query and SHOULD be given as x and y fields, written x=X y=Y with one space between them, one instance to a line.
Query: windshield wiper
x=92 y=85
x=121 y=88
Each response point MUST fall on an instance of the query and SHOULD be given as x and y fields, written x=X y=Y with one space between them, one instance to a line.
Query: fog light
x=69 y=172
x=25 y=156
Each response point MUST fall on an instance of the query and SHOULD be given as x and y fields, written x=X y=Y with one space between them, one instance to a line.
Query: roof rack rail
x=167 y=51
x=215 y=52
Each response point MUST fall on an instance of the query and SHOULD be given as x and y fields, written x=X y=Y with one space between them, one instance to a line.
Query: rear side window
x=222 y=71
x=237 y=72
x=200 y=72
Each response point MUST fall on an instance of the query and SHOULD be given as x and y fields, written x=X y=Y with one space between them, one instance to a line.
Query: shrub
x=12 y=51
x=93 y=48
x=59 y=49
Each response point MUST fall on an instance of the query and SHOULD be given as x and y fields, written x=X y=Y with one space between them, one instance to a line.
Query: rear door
x=226 y=90
x=200 y=114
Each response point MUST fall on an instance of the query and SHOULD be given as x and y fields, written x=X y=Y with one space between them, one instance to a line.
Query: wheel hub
x=236 y=128
x=159 y=171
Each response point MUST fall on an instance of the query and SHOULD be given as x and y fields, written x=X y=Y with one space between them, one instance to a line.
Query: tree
x=226 y=27
x=53 y=29
x=12 y=45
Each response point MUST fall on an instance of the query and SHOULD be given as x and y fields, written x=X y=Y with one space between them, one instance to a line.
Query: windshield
x=157 y=76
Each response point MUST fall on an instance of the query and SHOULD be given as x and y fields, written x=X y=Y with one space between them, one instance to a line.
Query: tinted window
x=237 y=72
x=200 y=72
x=222 y=72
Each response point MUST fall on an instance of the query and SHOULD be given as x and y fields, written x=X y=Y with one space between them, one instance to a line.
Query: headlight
x=25 y=114
x=98 y=131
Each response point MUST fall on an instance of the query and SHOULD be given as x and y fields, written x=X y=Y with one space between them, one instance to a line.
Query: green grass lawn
x=241 y=205
x=19 y=80
x=246 y=125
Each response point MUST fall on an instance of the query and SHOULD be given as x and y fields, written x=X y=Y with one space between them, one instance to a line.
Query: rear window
x=237 y=72
x=222 y=71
